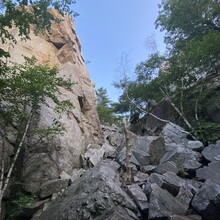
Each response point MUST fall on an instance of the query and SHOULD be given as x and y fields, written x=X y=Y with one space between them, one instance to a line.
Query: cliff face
x=60 y=47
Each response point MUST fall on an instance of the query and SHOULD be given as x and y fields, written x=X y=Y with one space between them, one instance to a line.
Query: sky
x=109 y=29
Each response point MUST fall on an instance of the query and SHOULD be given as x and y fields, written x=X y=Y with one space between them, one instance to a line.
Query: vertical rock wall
x=60 y=47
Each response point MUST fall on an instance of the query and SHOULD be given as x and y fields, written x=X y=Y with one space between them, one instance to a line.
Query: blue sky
x=109 y=28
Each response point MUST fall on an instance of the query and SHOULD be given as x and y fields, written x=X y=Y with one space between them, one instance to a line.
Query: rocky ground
x=173 y=177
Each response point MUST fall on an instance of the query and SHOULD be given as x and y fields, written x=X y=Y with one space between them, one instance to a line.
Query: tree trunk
x=5 y=183
x=128 y=156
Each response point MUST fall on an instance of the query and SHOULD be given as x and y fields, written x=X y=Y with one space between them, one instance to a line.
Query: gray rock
x=185 y=159
x=76 y=174
x=139 y=197
x=115 y=138
x=53 y=186
x=97 y=194
x=145 y=150
x=140 y=177
x=169 y=181
x=148 y=169
x=212 y=152
x=191 y=165
x=173 y=183
x=162 y=204
x=38 y=167
x=64 y=176
x=184 y=197
x=207 y=201
x=110 y=151
x=192 y=185
x=174 y=134
x=166 y=166
x=94 y=155
x=142 y=158
x=156 y=178
x=195 y=145
x=210 y=172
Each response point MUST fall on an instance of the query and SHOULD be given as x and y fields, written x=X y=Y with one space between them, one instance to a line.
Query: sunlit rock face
x=60 y=47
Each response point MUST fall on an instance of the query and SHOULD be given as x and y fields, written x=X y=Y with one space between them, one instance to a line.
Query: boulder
x=210 y=172
x=184 y=158
x=94 y=155
x=174 y=134
x=191 y=165
x=169 y=181
x=192 y=185
x=140 y=177
x=212 y=152
x=148 y=169
x=97 y=194
x=53 y=186
x=162 y=204
x=156 y=178
x=207 y=201
x=184 y=196
x=64 y=176
x=76 y=174
x=139 y=197
x=145 y=150
x=173 y=183
x=113 y=135
x=166 y=167
x=195 y=145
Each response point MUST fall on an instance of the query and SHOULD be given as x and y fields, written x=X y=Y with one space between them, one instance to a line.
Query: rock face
x=101 y=198
x=60 y=47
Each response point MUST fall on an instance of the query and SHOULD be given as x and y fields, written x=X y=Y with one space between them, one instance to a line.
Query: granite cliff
x=61 y=47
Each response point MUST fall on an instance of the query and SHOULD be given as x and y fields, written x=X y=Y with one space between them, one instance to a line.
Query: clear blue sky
x=109 y=28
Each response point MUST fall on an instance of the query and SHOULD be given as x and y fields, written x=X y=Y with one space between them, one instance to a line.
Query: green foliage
x=192 y=38
x=19 y=13
x=105 y=108
x=185 y=20
x=20 y=200
x=144 y=89
x=25 y=88
x=208 y=132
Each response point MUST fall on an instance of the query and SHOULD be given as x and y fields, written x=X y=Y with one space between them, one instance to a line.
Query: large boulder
x=53 y=186
x=162 y=204
x=212 y=152
x=145 y=150
x=166 y=167
x=94 y=155
x=210 y=172
x=139 y=197
x=97 y=194
x=207 y=201
x=169 y=181
x=180 y=150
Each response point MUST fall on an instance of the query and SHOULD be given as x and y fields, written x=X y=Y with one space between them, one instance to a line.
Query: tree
x=25 y=13
x=192 y=32
x=192 y=38
x=105 y=108
x=26 y=87
x=185 y=20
